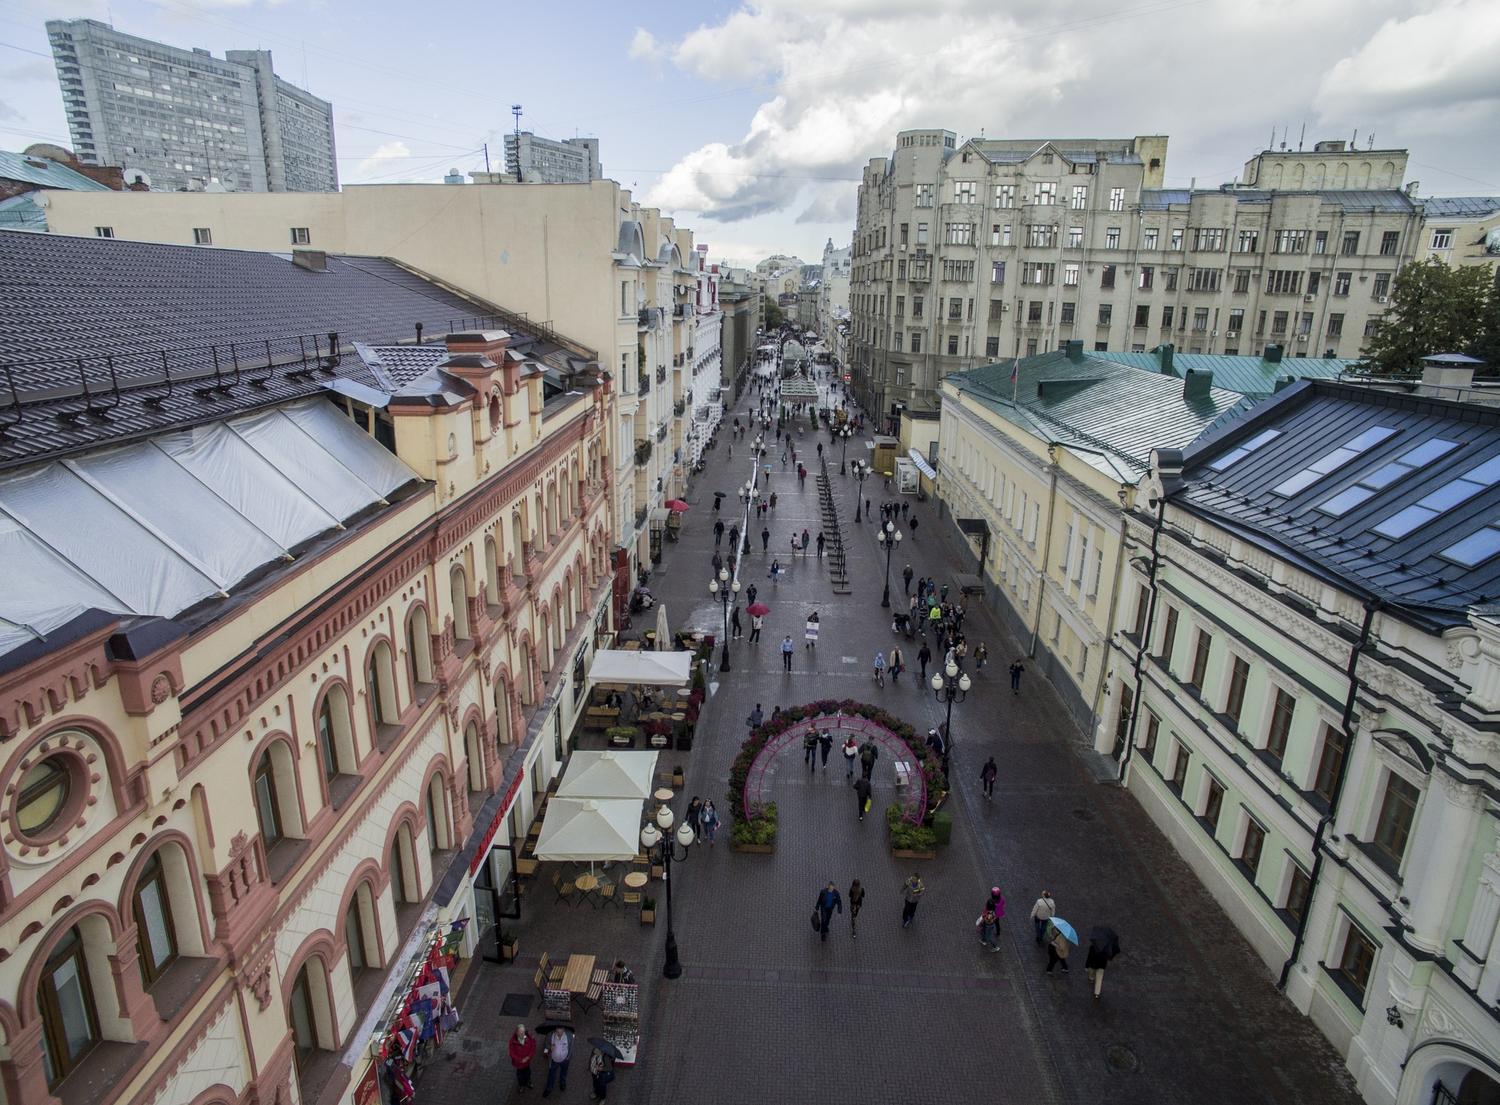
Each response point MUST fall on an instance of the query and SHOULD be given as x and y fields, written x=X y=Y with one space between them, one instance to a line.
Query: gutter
x=1372 y=606
x=1041 y=598
x=1140 y=652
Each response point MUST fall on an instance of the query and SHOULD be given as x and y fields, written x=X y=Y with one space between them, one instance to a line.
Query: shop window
x=70 y=1020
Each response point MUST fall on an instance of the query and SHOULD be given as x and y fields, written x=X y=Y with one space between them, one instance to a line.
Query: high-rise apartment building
x=186 y=120
x=532 y=159
x=967 y=253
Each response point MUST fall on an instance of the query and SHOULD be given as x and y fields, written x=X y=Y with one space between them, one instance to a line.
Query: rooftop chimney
x=1272 y=355
x=1448 y=375
x=1164 y=354
x=1075 y=351
x=1196 y=384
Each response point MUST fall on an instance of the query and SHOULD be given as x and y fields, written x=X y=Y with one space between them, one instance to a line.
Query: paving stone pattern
x=764 y=1010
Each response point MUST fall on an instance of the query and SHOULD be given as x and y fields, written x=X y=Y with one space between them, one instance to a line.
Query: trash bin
x=942 y=826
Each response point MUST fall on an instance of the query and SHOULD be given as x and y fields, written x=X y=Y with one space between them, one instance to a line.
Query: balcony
x=643 y=384
x=678 y=407
x=642 y=452
x=640 y=517
x=646 y=318
x=661 y=374
x=661 y=432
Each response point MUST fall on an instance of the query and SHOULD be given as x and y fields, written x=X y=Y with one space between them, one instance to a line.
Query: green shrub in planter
x=942 y=827
x=622 y=734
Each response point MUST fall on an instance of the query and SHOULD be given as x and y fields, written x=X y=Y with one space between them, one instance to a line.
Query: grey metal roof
x=22 y=213
x=1389 y=200
x=1461 y=207
x=1337 y=540
x=45 y=173
x=1015 y=151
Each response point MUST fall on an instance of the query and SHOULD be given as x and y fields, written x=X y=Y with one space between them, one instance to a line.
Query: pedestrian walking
x=810 y=748
x=905 y=509
x=906 y=580
x=851 y=753
x=756 y=717
x=559 y=1051
x=718 y=531
x=773 y=500
x=981 y=655
x=995 y=902
x=825 y=745
x=734 y=536
x=1041 y=915
x=988 y=927
x=786 y=652
x=913 y=527
x=868 y=754
x=811 y=632
x=987 y=775
x=750 y=594
x=856 y=901
x=924 y=657
x=718 y=499
x=806 y=541
x=757 y=623
x=522 y=1052
x=1057 y=949
x=602 y=1072
x=774 y=575
x=734 y=624
x=1016 y=668
x=694 y=810
x=879 y=669
x=765 y=539
x=911 y=894
x=828 y=901
x=820 y=544
x=943 y=593
x=708 y=819
x=1104 y=945
x=897 y=663
x=862 y=796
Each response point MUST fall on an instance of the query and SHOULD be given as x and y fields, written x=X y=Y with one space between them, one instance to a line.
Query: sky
x=751 y=122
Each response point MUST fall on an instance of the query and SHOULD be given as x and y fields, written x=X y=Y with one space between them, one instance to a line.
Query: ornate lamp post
x=723 y=588
x=861 y=470
x=651 y=837
x=955 y=688
x=890 y=537
x=843 y=432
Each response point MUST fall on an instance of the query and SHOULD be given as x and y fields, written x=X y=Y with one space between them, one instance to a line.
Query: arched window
x=268 y=801
x=551 y=509
x=458 y=585
x=474 y=752
x=70 y=1020
x=491 y=571
x=526 y=684
x=403 y=868
x=502 y=714
x=309 y=1013
x=494 y=411
x=380 y=685
x=437 y=815
x=156 y=933
x=546 y=636
x=517 y=541
x=359 y=931
x=335 y=738
x=418 y=649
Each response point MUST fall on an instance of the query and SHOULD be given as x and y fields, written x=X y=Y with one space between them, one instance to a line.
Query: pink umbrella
x=676 y=505
x=758 y=609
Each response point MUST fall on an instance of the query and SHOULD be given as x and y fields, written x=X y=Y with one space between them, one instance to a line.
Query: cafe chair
x=606 y=893
x=566 y=891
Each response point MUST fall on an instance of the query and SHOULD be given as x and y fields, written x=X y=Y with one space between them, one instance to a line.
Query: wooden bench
x=600 y=717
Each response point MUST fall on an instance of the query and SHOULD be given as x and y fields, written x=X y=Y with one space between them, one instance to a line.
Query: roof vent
x=1272 y=355
x=1164 y=355
x=1197 y=384
x=1075 y=351
x=313 y=260
x=1448 y=375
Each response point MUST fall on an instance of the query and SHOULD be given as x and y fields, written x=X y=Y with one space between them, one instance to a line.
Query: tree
x=1434 y=309
x=774 y=317
x=1487 y=344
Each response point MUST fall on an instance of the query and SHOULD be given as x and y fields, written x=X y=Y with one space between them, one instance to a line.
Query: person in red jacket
x=522 y=1052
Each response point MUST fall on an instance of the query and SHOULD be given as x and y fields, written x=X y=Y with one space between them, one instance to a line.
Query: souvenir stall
x=420 y=1015
x=622 y=1020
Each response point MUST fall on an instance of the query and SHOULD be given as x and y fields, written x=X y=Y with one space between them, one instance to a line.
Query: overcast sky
x=751 y=122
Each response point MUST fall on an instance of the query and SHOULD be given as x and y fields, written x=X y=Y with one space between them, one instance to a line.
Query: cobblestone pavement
x=763 y=1009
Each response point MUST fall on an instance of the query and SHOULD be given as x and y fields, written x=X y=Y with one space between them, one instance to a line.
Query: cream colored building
x=1462 y=231
x=263 y=733
x=585 y=258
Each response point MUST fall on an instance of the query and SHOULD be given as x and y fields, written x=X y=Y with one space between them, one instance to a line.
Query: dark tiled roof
x=1315 y=417
x=109 y=315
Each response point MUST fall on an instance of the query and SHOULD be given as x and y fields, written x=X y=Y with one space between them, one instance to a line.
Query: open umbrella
x=675 y=505
x=1066 y=929
x=1105 y=941
x=605 y=1046
x=757 y=609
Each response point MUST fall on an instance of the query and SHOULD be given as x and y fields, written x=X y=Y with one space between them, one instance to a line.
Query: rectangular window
x=1200 y=320
x=1176 y=237
x=959 y=234
x=955 y=309
x=301 y=236
x=1284 y=282
x=1065 y=316
x=1290 y=241
x=997 y=308
x=1031 y=347
x=1147 y=276
x=1314 y=282
x=901 y=269
x=1356 y=962
x=1252 y=847
x=896 y=341
x=203 y=236
x=921 y=234
x=1382 y=287
x=1341 y=282
x=997 y=272
x=1241 y=280
x=1171 y=279
x=1143 y=316
x=1330 y=761
x=1335 y=459
x=1398 y=808
x=1205 y=280
x=1168 y=637
x=1351 y=243
x=1080 y=198
x=994 y=234
x=1278 y=322
x=1282 y=711
x=1044 y=193
x=1208 y=240
x=1200 y=658
x=952 y=345
x=1247 y=242
x=1234 y=700
x=1005 y=195
x=924 y=195
x=1213 y=805
x=917 y=304
x=1142 y=607
x=916 y=342
x=1179 y=768
x=965 y=191
x=1389 y=241
x=1153 y=731
x=905 y=235
x=992 y=347
x=1041 y=235
x=1070 y=275
x=901 y=306
x=1037 y=272
x=1150 y=237
x=1106 y=312
x=1107 y=277
x=1034 y=311
x=1442 y=238
x=104 y=232
x=1117 y=199
x=1298 y=891
x=1236 y=320
x=1167 y=313
x=1335 y=326
x=1112 y=237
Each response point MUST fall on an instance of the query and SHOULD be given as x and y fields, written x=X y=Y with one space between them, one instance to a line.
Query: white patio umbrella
x=609 y=774
x=588 y=830
x=661 y=627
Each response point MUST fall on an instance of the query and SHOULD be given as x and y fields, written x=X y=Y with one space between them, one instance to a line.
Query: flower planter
x=508 y=949
x=753 y=849
x=648 y=917
x=911 y=853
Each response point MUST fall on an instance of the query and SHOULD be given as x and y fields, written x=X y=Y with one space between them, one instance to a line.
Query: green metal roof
x=1111 y=414
x=1246 y=375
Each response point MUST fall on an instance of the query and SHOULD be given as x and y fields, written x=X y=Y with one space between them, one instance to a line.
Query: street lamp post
x=723 y=587
x=844 y=433
x=955 y=688
x=861 y=470
x=651 y=836
x=890 y=537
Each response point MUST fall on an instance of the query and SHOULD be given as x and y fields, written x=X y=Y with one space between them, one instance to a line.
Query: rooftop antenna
x=1354 y=142
x=1371 y=146
x=1301 y=137
x=1272 y=146
x=515 y=109
x=1283 y=136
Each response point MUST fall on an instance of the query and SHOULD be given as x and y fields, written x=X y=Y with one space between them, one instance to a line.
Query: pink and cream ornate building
x=293 y=617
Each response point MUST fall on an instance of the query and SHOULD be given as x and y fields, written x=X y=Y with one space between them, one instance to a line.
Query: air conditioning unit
x=1231 y=333
x=1307 y=298
x=1302 y=338
x=1214 y=334
x=1382 y=299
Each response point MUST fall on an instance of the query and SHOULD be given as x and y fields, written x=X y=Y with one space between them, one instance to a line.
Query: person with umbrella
x=522 y=1052
x=1104 y=945
x=602 y=1066
x=1061 y=936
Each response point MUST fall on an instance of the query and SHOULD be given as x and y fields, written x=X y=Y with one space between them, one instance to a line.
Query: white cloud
x=389 y=158
x=644 y=47
x=839 y=79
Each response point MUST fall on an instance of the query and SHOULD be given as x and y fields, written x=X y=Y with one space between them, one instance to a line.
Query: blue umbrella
x=1066 y=929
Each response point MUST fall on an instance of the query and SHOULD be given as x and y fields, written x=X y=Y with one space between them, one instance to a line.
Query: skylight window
x=1234 y=456
x=1387 y=474
x=1332 y=462
x=1474 y=549
x=1444 y=498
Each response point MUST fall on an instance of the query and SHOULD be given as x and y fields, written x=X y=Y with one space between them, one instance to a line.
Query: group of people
x=558 y=1051
x=703 y=819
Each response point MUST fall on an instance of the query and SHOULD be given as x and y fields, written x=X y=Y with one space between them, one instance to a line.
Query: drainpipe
x=1041 y=598
x=1371 y=606
x=1140 y=652
x=1114 y=605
